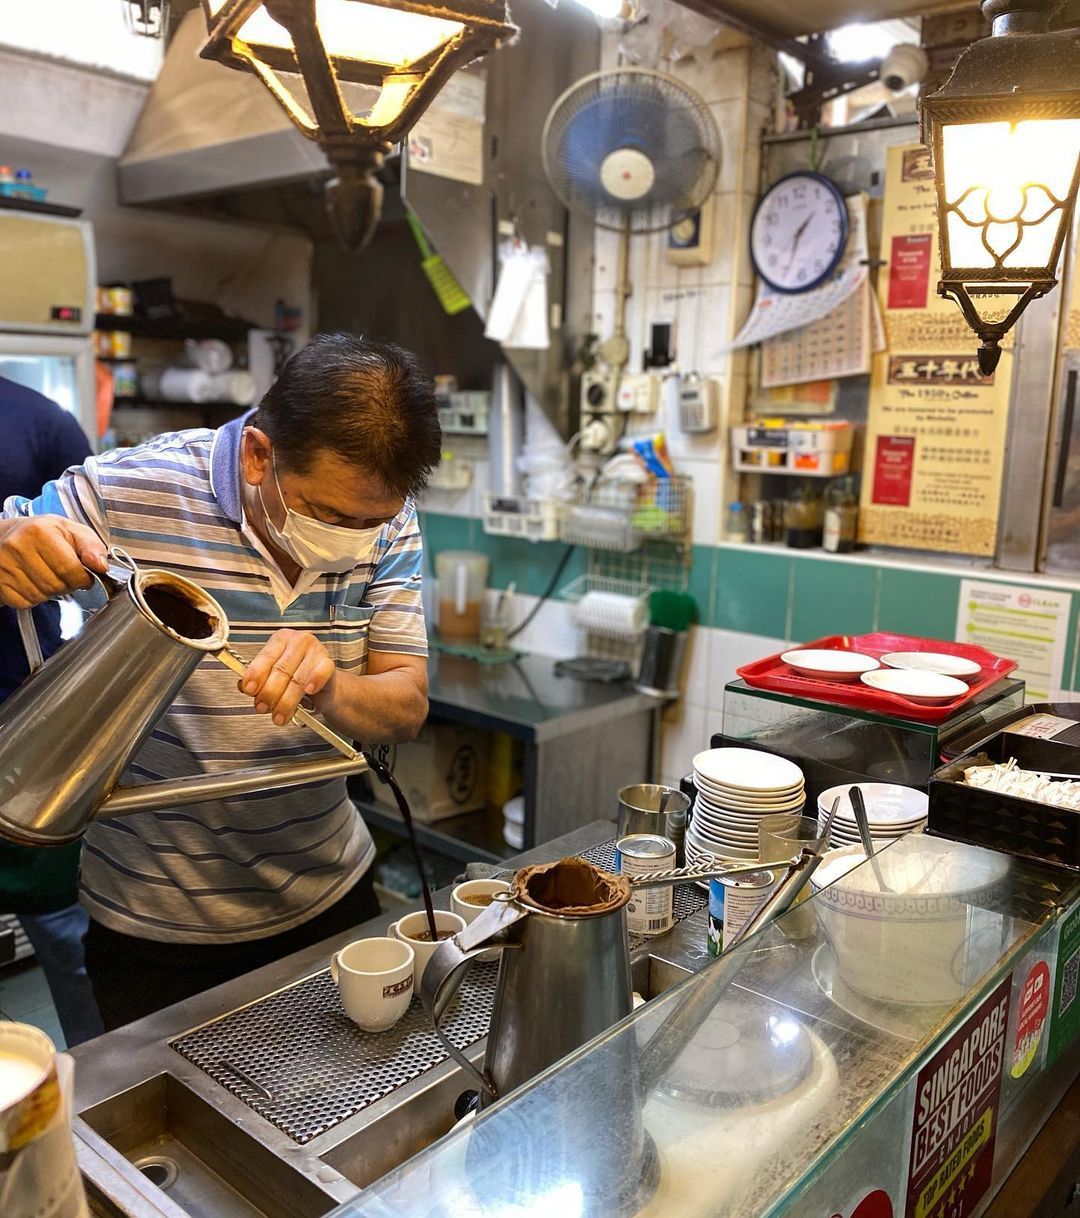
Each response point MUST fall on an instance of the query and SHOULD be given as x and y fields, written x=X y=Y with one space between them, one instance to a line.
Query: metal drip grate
x=296 y=1059
x=688 y=897
x=300 y=1062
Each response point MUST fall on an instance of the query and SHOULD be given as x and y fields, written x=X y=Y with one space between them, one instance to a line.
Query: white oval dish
x=932 y=661
x=930 y=688
x=828 y=665
x=887 y=803
x=748 y=770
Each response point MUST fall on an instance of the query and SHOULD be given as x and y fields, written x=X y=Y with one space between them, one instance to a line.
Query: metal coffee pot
x=564 y=970
x=68 y=732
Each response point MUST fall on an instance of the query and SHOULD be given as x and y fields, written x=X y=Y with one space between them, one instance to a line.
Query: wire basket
x=619 y=515
x=608 y=608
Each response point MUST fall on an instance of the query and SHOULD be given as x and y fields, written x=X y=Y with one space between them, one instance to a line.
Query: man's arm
x=47 y=543
x=386 y=705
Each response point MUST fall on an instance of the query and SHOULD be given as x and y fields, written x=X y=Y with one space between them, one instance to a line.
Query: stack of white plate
x=736 y=788
x=891 y=810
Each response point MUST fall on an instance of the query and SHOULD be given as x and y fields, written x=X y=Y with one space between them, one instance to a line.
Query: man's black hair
x=367 y=402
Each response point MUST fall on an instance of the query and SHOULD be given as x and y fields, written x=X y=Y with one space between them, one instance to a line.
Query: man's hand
x=293 y=665
x=46 y=556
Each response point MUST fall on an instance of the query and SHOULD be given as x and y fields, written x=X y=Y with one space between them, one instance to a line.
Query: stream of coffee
x=383 y=774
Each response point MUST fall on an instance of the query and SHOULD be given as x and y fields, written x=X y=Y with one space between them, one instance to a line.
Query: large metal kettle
x=564 y=970
x=69 y=731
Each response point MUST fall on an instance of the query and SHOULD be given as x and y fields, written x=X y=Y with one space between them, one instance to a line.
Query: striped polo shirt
x=248 y=866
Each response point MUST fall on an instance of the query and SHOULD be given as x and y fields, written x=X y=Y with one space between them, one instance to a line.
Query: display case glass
x=889 y=1044
x=835 y=744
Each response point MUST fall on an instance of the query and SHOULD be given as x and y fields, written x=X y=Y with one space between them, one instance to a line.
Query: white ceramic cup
x=375 y=978
x=416 y=923
x=473 y=888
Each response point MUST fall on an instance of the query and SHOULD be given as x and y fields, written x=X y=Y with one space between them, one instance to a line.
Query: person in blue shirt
x=38 y=441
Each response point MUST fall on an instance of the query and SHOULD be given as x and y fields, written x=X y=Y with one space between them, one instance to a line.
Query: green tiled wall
x=772 y=592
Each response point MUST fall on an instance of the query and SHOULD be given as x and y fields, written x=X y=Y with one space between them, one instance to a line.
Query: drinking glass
x=781 y=836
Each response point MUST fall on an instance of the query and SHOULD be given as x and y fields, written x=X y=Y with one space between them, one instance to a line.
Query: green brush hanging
x=451 y=294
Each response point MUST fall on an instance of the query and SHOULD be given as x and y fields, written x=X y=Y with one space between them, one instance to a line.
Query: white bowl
x=932 y=661
x=748 y=770
x=829 y=665
x=888 y=804
x=930 y=688
x=926 y=941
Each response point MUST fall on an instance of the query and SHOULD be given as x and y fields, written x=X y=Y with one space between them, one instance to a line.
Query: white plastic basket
x=611 y=608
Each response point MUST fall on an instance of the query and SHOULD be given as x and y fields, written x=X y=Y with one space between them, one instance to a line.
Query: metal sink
x=204 y=1163
x=409 y=1127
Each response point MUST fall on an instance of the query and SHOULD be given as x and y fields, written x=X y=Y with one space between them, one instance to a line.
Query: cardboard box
x=443 y=772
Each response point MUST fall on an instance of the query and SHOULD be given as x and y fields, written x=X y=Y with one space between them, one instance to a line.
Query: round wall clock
x=798 y=232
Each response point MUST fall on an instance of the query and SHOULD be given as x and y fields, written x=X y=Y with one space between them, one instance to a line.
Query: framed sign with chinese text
x=936 y=428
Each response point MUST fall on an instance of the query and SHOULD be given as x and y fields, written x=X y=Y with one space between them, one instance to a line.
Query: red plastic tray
x=773 y=674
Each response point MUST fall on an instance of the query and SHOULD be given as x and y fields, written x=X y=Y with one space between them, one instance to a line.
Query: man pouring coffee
x=298 y=519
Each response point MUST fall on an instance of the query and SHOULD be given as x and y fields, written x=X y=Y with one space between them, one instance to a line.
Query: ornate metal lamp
x=353 y=75
x=1004 y=134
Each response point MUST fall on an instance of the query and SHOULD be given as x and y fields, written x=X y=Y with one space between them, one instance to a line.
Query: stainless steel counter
x=582 y=741
x=153 y=1103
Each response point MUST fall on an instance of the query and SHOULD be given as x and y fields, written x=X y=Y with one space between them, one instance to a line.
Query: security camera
x=904 y=66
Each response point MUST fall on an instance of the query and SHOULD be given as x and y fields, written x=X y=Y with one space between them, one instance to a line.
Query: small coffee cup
x=411 y=925
x=469 y=900
x=375 y=979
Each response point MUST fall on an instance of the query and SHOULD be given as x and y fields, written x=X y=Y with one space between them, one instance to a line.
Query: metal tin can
x=733 y=901
x=651 y=910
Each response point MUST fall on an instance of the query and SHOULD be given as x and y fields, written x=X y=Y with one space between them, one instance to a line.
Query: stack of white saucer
x=891 y=810
x=736 y=788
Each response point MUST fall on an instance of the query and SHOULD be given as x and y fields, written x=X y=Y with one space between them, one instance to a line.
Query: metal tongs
x=716 y=870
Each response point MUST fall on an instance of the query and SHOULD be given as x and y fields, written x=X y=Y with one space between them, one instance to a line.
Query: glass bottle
x=841 y=516
x=804 y=517
x=736 y=526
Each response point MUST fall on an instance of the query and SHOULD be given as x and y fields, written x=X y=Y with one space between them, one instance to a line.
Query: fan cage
x=640 y=110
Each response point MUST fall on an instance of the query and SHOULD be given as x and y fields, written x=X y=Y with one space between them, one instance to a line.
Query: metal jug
x=564 y=970
x=69 y=731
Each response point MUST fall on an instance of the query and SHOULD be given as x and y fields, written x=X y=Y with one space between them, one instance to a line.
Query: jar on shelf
x=804 y=517
x=841 y=516
x=736 y=526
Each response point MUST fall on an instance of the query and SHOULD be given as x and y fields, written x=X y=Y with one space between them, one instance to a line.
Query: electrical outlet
x=639 y=394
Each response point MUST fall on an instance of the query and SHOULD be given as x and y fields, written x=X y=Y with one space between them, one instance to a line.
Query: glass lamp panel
x=362 y=33
x=1014 y=176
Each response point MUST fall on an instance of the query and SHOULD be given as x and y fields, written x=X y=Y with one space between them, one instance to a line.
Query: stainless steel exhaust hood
x=206 y=131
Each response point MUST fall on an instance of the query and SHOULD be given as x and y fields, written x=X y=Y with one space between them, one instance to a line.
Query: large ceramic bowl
x=929 y=935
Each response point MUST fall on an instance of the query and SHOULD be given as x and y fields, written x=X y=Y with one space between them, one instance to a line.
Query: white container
x=921 y=943
x=828 y=664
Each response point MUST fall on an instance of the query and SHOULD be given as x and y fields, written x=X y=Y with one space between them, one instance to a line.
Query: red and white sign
x=1032 y=1008
x=894 y=470
x=909 y=271
x=956 y=1111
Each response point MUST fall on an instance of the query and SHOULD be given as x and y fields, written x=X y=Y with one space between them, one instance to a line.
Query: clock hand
x=798 y=237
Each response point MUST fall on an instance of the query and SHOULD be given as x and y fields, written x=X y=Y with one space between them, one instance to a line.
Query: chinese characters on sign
x=935 y=427
x=956 y=1112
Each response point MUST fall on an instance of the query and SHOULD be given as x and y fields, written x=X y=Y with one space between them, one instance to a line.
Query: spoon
x=863 y=821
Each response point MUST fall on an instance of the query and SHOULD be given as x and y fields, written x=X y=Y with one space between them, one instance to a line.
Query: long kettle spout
x=69 y=732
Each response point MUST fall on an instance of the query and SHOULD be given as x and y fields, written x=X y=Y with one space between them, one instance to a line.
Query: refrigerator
x=47 y=309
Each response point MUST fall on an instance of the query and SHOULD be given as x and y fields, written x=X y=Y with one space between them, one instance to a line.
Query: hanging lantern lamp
x=353 y=75
x=1004 y=135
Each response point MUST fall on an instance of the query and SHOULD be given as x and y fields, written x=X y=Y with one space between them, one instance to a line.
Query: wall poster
x=935 y=433
x=1065 y=1014
x=448 y=141
x=1028 y=624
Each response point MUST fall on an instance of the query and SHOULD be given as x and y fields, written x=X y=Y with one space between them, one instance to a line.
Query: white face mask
x=317 y=546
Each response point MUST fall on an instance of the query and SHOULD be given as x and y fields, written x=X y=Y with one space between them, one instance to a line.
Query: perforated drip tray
x=295 y=1058
x=298 y=1060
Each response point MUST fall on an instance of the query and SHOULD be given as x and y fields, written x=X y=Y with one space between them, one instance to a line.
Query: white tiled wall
x=707 y=303
x=712 y=659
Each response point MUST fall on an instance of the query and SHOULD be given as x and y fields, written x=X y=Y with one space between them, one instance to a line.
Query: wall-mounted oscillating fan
x=633 y=149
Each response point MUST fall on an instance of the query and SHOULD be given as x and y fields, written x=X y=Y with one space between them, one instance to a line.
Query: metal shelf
x=228 y=329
